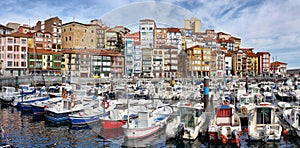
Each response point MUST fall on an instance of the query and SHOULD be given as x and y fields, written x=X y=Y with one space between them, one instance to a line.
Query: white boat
x=225 y=127
x=264 y=124
x=39 y=106
x=191 y=116
x=245 y=104
x=284 y=105
x=9 y=94
x=147 y=123
x=90 y=114
x=292 y=117
x=59 y=112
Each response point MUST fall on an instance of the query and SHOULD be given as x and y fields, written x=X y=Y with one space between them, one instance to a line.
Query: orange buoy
x=246 y=130
x=284 y=132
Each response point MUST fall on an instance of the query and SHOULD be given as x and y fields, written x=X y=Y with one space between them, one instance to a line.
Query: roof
x=277 y=64
x=74 y=22
x=196 y=46
x=5 y=27
x=173 y=30
x=43 y=51
x=250 y=54
x=261 y=53
x=16 y=35
x=93 y=51
x=168 y=47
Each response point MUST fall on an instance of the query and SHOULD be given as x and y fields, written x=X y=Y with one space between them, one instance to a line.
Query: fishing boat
x=27 y=99
x=38 y=108
x=60 y=111
x=116 y=118
x=147 y=123
x=193 y=119
x=292 y=117
x=246 y=102
x=225 y=126
x=9 y=94
x=264 y=124
x=91 y=113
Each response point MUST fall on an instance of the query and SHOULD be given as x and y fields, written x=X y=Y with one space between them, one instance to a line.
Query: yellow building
x=199 y=61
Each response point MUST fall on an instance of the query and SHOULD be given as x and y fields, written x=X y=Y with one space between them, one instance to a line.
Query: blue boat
x=38 y=107
x=25 y=101
x=90 y=114
x=60 y=111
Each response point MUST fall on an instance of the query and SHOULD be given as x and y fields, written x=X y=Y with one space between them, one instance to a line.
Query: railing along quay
x=40 y=80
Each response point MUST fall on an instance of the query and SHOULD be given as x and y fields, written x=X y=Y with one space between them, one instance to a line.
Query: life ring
x=105 y=104
x=65 y=94
x=244 y=110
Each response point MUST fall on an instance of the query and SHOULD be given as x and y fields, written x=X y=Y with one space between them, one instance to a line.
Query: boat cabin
x=264 y=114
x=246 y=99
x=189 y=115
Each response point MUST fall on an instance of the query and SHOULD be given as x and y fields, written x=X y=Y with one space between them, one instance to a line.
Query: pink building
x=13 y=54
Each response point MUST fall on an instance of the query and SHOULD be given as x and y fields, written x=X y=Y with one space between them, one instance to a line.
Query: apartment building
x=147 y=30
x=13 y=54
x=54 y=26
x=264 y=63
x=192 y=24
x=44 y=61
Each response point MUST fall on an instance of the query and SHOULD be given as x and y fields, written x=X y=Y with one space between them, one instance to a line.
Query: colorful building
x=13 y=57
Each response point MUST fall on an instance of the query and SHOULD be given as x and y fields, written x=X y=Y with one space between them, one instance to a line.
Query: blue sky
x=265 y=25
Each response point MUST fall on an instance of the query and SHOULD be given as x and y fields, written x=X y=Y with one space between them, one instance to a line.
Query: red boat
x=112 y=124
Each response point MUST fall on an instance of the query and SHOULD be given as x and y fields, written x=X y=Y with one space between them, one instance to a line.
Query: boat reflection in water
x=111 y=134
x=156 y=140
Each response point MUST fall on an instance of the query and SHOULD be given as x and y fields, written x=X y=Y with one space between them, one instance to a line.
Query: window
x=70 y=38
x=92 y=31
x=23 y=41
x=23 y=64
x=70 y=29
x=23 y=49
x=10 y=40
x=9 y=63
x=263 y=116
x=23 y=56
x=9 y=48
x=66 y=38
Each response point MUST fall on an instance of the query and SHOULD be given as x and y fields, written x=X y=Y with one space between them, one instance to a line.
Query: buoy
x=246 y=130
x=284 y=132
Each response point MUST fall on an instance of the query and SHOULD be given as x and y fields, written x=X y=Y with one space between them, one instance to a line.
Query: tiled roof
x=277 y=64
x=167 y=47
x=261 y=53
x=16 y=35
x=43 y=51
x=173 y=30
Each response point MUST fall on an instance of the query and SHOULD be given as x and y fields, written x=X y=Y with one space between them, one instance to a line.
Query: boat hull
x=38 y=110
x=138 y=133
x=57 y=117
x=112 y=124
x=84 y=120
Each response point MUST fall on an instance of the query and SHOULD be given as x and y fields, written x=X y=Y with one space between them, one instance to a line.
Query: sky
x=265 y=25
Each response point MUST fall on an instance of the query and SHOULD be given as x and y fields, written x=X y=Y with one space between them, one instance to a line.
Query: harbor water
x=27 y=130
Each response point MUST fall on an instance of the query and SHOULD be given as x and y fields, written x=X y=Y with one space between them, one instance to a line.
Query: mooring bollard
x=17 y=83
x=206 y=91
